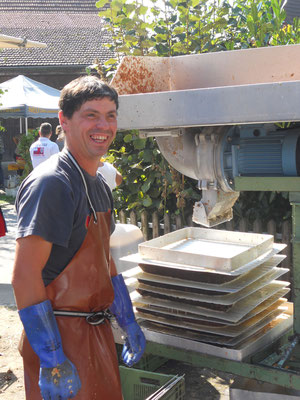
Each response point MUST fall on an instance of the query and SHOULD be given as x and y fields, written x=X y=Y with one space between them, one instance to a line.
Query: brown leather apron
x=85 y=286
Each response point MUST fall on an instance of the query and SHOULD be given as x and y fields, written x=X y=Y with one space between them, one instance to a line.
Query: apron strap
x=92 y=318
x=84 y=184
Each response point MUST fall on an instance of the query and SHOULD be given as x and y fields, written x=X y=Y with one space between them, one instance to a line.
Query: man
x=111 y=174
x=63 y=261
x=43 y=148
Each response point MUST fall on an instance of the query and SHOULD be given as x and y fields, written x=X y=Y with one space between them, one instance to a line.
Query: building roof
x=42 y=6
x=73 y=32
x=292 y=9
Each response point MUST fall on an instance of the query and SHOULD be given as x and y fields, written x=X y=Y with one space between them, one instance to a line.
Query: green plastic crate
x=148 y=362
x=139 y=385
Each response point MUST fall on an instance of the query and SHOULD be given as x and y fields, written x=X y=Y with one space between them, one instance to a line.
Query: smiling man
x=65 y=281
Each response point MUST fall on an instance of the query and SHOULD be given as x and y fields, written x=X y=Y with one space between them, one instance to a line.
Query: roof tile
x=72 y=39
x=38 y=6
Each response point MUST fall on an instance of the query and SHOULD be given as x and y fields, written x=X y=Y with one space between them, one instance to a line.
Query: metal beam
x=261 y=184
x=231 y=105
x=264 y=373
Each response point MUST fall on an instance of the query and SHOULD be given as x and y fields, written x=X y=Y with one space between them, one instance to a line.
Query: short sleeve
x=55 y=148
x=46 y=208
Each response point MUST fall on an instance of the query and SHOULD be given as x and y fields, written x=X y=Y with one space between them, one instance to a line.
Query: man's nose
x=102 y=123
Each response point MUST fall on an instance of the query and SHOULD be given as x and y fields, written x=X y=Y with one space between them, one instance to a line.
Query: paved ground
x=7 y=251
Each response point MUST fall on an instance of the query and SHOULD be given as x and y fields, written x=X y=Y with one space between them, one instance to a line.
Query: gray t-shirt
x=52 y=203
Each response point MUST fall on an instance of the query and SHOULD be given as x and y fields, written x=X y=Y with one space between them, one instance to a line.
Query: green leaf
x=111 y=61
x=137 y=52
x=139 y=144
x=128 y=138
x=251 y=26
x=133 y=187
x=129 y=8
x=147 y=155
x=196 y=3
x=147 y=201
x=254 y=13
x=105 y=14
x=116 y=6
x=143 y=10
x=101 y=3
x=146 y=186
x=178 y=29
x=147 y=43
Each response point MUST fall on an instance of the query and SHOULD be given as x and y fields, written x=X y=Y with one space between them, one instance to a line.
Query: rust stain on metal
x=135 y=78
x=137 y=75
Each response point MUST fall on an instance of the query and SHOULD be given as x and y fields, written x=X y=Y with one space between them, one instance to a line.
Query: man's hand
x=59 y=379
x=135 y=342
x=61 y=382
x=134 y=345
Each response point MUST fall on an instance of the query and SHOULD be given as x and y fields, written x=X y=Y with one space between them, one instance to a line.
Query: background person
x=1 y=156
x=3 y=228
x=60 y=141
x=43 y=148
x=111 y=174
x=63 y=260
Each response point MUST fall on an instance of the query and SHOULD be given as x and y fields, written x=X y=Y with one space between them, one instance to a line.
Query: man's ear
x=62 y=120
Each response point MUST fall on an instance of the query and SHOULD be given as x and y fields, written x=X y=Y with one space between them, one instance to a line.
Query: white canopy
x=24 y=97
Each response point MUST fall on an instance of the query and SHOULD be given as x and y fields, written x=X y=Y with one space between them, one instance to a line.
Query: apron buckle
x=98 y=318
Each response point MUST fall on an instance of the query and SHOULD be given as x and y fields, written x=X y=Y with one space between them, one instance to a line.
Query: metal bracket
x=166 y=133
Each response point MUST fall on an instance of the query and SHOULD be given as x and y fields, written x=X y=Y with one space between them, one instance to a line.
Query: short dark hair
x=45 y=129
x=83 y=89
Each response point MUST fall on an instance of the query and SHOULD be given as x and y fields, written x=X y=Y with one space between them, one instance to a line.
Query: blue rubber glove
x=58 y=376
x=135 y=341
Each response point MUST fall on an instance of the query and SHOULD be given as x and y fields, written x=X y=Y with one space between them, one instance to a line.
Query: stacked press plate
x=211 y=286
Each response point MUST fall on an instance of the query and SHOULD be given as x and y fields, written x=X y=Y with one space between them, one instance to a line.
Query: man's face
x=91 y=129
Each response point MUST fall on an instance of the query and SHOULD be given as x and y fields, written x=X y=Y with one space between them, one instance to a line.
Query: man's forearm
x=31 y=256
x=28 y=291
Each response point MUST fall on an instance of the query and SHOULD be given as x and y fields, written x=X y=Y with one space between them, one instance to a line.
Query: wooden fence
x=152 y=227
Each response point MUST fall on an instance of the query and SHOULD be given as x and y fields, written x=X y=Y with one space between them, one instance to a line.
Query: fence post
x=243 y=225
x=190 y=220
x=178 y=221
x=144 y=223
x=229 y=225
x=167 y=223
x=133 y=218
x=271 y=228
x=155 y=225
x=257 y=226
x=122 y=216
